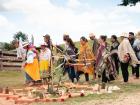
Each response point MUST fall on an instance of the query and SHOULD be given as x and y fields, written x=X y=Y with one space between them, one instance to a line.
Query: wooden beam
x=12 y=64
x=12 y=68
x=1 y=65
x=11 y=59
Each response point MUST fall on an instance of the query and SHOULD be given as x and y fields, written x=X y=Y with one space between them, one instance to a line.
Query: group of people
x=102 y=60
x=36 y=62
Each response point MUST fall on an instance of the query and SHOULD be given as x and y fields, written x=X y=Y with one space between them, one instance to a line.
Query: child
x=44 y=57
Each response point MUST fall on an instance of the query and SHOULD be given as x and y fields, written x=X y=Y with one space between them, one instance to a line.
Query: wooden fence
x=9 y=61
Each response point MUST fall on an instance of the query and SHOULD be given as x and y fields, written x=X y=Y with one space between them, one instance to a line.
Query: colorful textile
x=85 y=54
x=32 y=69
x=104 y=63
x=126 y=48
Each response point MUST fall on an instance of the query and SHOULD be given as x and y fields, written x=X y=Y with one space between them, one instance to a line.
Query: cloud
x=76 y=18
x=7 y=28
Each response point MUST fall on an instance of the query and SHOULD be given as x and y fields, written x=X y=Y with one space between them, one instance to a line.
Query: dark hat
x=47 y=36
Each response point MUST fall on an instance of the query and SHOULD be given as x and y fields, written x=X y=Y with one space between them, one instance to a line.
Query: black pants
x=125 y=73
x=117 y=65
x=137 y=70
x=116 y=61
x=104 y=78
x=71 y=73
x=79 y=73
x=133 y=70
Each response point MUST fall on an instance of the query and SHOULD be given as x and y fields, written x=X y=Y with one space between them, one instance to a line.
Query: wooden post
x=1 y=64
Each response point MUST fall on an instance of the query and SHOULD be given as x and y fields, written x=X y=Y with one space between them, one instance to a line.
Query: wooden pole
x=1 y=64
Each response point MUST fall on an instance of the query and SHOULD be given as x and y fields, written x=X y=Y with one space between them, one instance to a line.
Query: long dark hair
x=70 y=42
x=103 y=37
x=65 y=37
x=84 y=39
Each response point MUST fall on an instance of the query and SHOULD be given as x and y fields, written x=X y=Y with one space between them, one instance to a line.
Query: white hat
x=124 y=34
x=24 y=44
x=66 y=33
x=43 y=44
x=91 y=35
x=138 y=35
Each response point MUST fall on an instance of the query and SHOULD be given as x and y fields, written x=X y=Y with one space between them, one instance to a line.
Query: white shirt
x=30 y=56
x=45 y=55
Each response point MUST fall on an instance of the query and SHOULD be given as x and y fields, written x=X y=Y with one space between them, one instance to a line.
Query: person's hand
x=24 y=65
x=126 y=57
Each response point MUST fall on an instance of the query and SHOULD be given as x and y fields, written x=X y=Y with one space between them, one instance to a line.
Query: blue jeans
x=28 y=78
x=71 y=73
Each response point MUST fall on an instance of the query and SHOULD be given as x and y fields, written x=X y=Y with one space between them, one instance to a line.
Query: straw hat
x=91 y=35
x=138 y=35
x=124 y=34
x=66 y=33
x=24 y=44
x=44 y=44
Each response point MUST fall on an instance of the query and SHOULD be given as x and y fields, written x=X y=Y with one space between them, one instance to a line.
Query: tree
x=8 y=46
x=19 y=34
x=129 y=2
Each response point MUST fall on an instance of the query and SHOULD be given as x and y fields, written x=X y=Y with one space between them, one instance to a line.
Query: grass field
x=14 y=79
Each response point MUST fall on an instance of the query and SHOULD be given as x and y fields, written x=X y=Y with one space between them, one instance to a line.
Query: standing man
x=136 y=47
x=114 y=46
x=48 y=41
x=95 y=45
x=126 y=56
x=131 y=40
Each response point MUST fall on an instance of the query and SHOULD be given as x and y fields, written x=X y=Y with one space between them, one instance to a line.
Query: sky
x=75 y=17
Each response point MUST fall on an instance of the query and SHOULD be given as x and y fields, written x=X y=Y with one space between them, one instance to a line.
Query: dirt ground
x=132 y=98
x=125 y=99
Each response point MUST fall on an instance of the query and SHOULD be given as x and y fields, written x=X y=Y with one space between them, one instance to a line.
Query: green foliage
x=8 y=46
x=129 y=2
x=22 y=35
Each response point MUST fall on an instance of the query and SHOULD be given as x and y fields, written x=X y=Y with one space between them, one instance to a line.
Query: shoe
x=86 y=83
x=31 y=84
x=136 y=78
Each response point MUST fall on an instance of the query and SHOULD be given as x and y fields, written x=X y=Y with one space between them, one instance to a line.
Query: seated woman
x=31 y=65
x=85 y=60
x=44 y=57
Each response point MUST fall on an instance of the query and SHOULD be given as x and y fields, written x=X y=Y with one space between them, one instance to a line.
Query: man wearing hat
x=136 y=47
x=95 y=43
x=126 y=55
x=48 y=41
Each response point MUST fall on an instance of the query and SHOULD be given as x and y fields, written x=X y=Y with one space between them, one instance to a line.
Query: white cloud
x=73 y=3
x=7 y=29
x=5 y=23
x=42 y=17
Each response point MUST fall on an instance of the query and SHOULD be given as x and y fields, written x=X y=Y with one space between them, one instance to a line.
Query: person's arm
x=49 y=54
